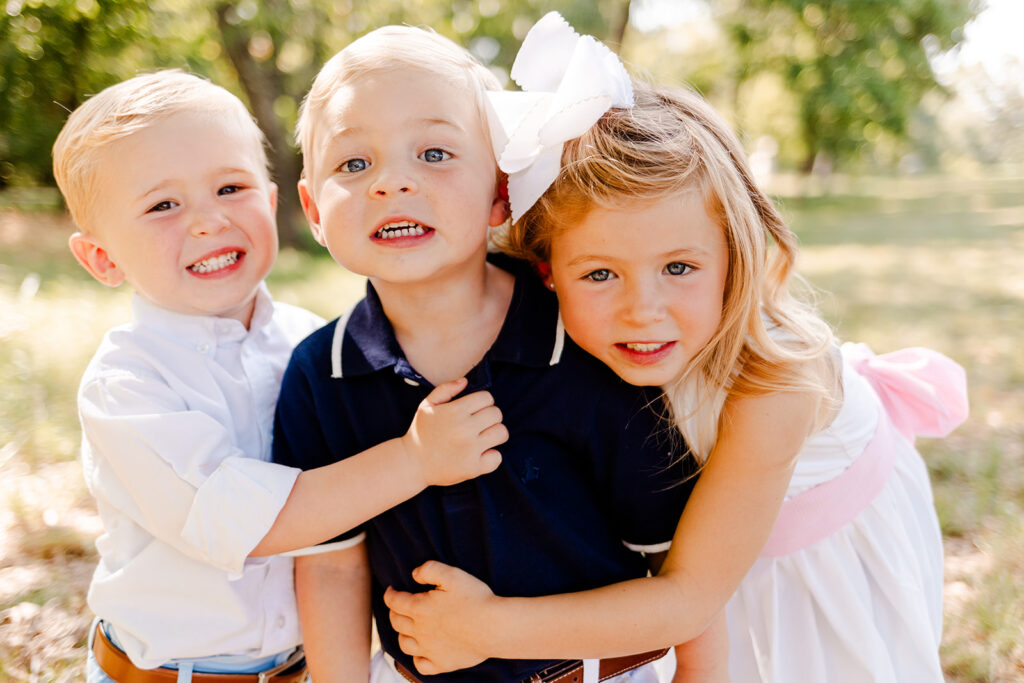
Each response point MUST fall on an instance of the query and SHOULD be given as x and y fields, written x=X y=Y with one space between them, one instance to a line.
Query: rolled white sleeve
x=228 y=535
x=177 y=473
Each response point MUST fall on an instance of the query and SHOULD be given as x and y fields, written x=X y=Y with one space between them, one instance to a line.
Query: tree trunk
x=263 y=86
x=617 y=31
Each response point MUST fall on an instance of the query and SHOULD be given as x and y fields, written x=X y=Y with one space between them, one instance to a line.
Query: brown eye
x=165 y=205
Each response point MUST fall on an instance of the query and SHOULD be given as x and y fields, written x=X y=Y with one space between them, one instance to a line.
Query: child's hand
x=451 y=441
x=444 y=628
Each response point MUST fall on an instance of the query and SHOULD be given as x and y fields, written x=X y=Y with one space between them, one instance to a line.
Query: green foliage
x=857 y=69
x=841 y=76
x=51 y=55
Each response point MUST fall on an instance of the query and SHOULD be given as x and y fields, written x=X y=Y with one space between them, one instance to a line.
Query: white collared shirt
x=177 y=412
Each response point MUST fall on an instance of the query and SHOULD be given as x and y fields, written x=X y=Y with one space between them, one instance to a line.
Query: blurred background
x=891 y=132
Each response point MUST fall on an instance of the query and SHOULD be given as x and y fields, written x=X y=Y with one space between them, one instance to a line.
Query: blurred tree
x=858 y=69
x=54 y=54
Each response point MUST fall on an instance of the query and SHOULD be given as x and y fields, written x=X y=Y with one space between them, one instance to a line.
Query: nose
x=643 y=302
x=393 y=181
x=208 y=220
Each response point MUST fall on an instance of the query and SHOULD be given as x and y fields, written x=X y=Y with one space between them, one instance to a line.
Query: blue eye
x=599 y=275
x=354 y=165
x=676 y=268
x=434 y=155
x=165 y=205
x=229 y=189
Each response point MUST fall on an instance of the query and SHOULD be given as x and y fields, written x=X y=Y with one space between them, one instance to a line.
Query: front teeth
x=644 y=348
x=209 y=265
x=401 y=229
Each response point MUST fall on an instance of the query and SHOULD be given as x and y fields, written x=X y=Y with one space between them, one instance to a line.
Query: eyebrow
x=668 y=256
x=224 y=170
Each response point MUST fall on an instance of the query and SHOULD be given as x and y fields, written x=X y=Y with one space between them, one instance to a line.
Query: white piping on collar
x=556 y=353
x=339 y=337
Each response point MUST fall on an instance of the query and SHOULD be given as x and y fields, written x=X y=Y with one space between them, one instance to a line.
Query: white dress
x=865 y=603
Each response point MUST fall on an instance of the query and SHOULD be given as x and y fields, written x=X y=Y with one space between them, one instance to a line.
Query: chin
x=644 y=377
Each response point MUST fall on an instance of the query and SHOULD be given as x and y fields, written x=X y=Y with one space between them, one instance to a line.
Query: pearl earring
x=551 y=285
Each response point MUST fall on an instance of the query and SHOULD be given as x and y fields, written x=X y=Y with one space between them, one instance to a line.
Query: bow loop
x=569 y=81
x=923 y=391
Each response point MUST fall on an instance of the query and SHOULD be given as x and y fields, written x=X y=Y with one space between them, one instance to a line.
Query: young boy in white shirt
x=166 y=178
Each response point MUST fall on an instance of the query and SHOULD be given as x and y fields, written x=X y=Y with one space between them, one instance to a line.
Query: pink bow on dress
x=923 y=392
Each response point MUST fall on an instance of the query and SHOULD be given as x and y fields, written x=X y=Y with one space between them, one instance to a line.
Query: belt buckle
x=295 y=658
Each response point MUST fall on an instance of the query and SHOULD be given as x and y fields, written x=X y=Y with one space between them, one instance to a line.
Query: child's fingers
x=434 y=573
x=482 y=419
x=401 y=623
x=495 y=435
x=474 y=402
x=489 y=461
x=398 y=601
x=443 y=393
x=408 y=644
x=425 y=666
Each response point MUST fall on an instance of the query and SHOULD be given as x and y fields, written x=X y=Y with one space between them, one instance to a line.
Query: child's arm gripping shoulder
x=725 y=524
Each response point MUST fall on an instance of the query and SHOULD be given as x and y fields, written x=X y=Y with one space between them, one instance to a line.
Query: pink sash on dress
x=921 y=392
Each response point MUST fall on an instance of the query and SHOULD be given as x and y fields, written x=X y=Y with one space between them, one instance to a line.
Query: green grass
x=937 y=262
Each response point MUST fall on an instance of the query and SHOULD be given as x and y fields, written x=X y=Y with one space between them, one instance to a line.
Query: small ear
x=312 y=212
x=95 y=259
x=272 y=188
x=499 y=212
x=544 y=270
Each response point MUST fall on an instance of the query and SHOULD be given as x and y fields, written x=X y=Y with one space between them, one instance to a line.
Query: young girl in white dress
x=812 y=522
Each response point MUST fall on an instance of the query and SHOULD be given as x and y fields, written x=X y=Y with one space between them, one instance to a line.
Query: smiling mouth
x=215 y=263
x=391 y=231
x=645 y=347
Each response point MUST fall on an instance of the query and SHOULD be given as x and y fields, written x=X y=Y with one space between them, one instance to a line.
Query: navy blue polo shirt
x=588 y=467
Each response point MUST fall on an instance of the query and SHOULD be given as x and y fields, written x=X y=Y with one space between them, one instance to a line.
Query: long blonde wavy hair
x=672 y=141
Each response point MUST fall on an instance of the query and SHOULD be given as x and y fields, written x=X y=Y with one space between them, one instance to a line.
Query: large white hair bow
x=568 y=82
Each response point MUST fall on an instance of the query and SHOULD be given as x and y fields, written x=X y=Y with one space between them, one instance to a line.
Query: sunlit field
x=935 y=262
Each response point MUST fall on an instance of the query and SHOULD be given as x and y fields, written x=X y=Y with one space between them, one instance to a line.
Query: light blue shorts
x=233 y=664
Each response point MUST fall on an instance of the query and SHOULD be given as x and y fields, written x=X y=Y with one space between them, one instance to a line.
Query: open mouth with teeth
x=645 y=347
x=212 y=264
x=399 y=229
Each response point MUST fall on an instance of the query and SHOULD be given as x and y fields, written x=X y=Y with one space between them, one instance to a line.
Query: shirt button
x=411 y=382
x=202 y=348
x=280 y=622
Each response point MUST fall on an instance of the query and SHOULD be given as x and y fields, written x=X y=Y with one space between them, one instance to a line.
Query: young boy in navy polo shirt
x=400 y=184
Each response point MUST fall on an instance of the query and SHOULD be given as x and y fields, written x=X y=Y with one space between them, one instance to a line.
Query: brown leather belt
x=117 y=665
x=571 y=671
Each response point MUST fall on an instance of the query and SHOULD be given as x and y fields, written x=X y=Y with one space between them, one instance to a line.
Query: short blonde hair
x=673 y=141
x=126 y=108
x=389 y=48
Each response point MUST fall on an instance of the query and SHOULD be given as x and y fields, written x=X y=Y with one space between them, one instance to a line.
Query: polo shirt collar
x=189 y=329
x=531 y=336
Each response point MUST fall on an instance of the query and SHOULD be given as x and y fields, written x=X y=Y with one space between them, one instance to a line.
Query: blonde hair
x=126 y=108
x=670 y=142
x=389 y=48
